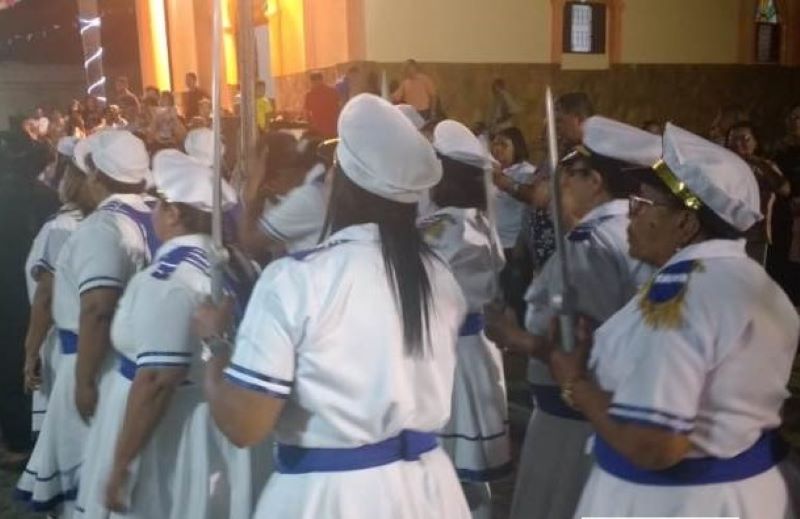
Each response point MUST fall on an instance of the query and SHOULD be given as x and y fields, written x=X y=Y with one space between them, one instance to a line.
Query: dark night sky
x=63 y=45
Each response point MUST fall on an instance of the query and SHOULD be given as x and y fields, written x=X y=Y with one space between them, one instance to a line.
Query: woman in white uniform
x=684 y=385
x=554 y=462
x=41 y=343
x=92 y=270
x=348 y=350
x=476 y=437
x=152 y=340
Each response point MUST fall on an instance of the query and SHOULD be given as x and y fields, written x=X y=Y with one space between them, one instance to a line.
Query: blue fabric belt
x=127 y=367
x=767 y=452
x=548 y=400
x=407 y=446
x=474 y=324
x=69 y=342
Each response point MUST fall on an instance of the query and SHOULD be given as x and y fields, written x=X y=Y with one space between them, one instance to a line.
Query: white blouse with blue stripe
x=322 y=331
x=704 y=350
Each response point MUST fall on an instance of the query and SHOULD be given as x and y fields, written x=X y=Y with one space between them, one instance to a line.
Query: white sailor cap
x=381 y=151
x=120 y=155
x=199 y=143
x=454 y=140
x=700 y=172
x=412 y=115
x=66 y=145
x=621 y=141
x=180 y=178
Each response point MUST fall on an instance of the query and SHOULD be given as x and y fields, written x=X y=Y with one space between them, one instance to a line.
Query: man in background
x=190 y=99
x=417 y=90
x=264 y=109
x=322 y=107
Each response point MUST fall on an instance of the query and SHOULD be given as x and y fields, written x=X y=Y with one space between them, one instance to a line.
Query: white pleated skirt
x=52 y=474
x=765 y=496
x=49 y=356
x=102 y=438
x=476 y=437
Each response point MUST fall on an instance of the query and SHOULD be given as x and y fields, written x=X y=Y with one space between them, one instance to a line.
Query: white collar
x=128 y=199
x=710 y=249
x=365 y=232
x=200 y=241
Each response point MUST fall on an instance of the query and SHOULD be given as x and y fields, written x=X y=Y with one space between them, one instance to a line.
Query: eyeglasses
x=637 y=203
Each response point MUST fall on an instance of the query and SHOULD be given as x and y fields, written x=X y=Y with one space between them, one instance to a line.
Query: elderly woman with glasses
x=684 y=385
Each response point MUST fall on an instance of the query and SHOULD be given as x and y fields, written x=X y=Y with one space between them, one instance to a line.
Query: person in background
x=461 y=232
x=514 y=172
x=684 y=385
x=295 y=223
x=554 y=464
x=42 y=122
x=349 y=85
x=773 y=188
x=417 y=90
x=122 y=93
x=726 y=117
x=166 y=129
x=41 y=343
x=113 y=117
x=190 y=99
x=92 y=112
x=93 y=268
x=25 y=205
x=784 y=261
x=502 y=108
x=303 y=369
x=150 y=92
x=322 y=107
x=58 y=126
x=264 y=109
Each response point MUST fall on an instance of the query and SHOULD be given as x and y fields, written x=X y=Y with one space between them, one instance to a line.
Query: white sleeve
x=54 y=242
x=273 y=326
x=297 y=216
x=539 y=311
x=665 y=387
x=163 y=345
x=100 y=258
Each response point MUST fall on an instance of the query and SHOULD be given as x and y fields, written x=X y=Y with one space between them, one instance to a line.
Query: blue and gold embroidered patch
x=433 y=227
x=661 y=299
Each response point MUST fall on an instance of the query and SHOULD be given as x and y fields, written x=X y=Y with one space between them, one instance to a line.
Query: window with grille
x=585 y=28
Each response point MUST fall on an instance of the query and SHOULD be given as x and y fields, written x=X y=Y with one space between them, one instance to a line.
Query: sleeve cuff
x=255 y=381
x=163 y=359
x=100 y=282
x=651 y=417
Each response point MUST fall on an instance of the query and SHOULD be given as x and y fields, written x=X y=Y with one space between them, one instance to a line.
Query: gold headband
x=676 y=185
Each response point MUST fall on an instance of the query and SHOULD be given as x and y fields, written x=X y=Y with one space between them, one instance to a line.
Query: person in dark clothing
x=190 y=100
x=784 y=258
x=25 y=204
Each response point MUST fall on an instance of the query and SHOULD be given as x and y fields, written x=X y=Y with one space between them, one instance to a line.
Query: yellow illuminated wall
x=681 y=31
x=153 y=45
x=287 y=37
x=476 y=31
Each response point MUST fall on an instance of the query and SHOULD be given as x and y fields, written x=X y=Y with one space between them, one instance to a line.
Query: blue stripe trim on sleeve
x=103 y=282
x=685 y=429
x=163 y=364
x=252 y=387
x=259 y=376
x=648 y=410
